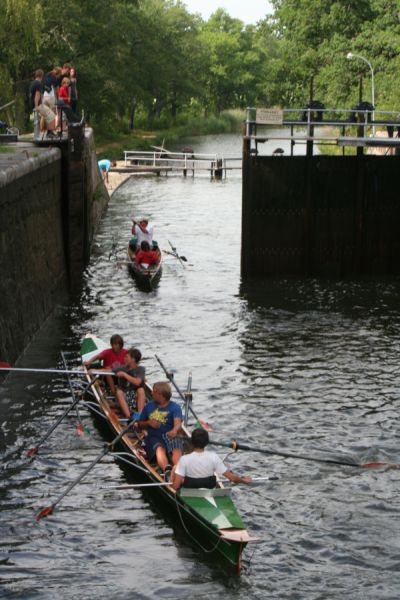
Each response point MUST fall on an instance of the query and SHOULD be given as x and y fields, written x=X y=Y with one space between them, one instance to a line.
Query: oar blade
x=45 y=512
x=203 y=425
x=375 y=465
x=32 y=451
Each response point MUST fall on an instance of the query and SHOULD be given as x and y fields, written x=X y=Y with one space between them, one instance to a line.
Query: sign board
x=269 y=116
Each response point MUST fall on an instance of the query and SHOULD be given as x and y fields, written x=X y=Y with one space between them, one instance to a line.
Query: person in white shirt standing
x=200 y=468
x=142 y=230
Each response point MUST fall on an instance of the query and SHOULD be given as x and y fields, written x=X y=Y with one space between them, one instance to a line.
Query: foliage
x=150 y=63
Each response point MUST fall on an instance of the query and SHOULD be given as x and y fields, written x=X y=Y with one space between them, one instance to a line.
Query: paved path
x=116 y=179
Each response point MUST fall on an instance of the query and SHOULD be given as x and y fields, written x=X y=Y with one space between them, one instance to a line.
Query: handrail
x=394 y=121
x=7 y=105
x=184 y=160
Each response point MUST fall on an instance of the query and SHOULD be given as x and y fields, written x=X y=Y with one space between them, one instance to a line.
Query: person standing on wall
x=48 y=118
x=73 y=89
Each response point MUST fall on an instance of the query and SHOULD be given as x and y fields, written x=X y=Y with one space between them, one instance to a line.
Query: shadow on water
x=325 y=295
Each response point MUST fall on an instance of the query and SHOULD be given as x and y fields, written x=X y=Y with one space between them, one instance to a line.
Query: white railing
x=182 y=160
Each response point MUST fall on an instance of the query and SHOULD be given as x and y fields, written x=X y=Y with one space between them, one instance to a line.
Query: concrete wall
x=51 y=201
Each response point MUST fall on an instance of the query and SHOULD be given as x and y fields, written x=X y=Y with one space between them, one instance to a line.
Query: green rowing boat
x=209 y=517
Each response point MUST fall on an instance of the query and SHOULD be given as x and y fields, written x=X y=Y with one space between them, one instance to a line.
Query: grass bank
x=111 y=144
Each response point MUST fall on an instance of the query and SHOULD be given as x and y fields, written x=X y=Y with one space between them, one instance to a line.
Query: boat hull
x=197 y=530
x=208 y=517
x=146 y=279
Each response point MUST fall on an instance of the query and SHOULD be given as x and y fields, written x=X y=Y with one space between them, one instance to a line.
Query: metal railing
x=180 y=161
x=359 y=127
x=327 y=117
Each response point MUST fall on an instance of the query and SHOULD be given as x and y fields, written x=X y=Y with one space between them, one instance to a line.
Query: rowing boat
x=208 y=516
x=146 y=276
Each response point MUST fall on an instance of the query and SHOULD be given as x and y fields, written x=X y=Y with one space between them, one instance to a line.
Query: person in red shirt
x=147 y=256
x=111 y=357
x=64 y=91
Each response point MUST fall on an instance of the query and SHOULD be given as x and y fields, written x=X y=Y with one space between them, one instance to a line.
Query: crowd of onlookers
x=54 y=98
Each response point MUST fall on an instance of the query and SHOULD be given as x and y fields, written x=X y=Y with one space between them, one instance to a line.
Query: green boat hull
x=208 y=517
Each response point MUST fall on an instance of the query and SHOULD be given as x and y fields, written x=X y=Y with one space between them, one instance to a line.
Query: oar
x=119 y=263
x=52 y=371
x=79 y=428
x=131 y=486
x=174 y=253
x=172 y=380
x=49 y=509
x=35 y=449
x=128 y=486
x=4 y=368
x=113 y=250
x=134 y=485
x=236 y=446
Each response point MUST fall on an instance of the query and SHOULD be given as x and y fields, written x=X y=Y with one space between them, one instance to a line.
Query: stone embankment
x=116 y=179
x=52 y=197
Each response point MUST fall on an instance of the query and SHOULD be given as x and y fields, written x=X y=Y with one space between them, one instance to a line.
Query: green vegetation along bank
x=150 y=64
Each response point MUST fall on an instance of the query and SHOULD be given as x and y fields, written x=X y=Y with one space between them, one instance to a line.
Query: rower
x=130 y=394
x=111 y=357
x=199 y=468
x=142 y=230
x=146 y=255
x=163 y=419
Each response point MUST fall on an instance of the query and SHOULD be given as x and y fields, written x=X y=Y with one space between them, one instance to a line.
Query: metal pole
x=351 y=55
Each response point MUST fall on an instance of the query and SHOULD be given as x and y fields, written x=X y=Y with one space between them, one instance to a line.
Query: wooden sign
x=269 y=116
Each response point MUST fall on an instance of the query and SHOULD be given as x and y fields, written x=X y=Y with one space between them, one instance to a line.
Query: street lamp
x=350 y=55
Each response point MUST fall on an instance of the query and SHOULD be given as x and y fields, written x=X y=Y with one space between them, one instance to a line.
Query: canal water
x=303 y=366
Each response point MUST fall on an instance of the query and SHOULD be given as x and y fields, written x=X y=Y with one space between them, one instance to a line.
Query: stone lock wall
x=32 y=262
x=51 y=202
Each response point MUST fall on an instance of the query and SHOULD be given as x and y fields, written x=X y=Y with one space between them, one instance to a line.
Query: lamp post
x=350 y=55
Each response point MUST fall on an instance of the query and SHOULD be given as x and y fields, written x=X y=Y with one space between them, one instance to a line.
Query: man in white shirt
x=142 y=230
x=199 y=468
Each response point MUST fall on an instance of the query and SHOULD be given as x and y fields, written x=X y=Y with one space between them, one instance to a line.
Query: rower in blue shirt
x=163 y=419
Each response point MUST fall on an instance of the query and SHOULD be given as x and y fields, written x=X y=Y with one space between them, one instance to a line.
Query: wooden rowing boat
x=208 y=517
x=146 y=276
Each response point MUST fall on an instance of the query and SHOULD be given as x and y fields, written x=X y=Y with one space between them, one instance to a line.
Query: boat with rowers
x=146 y=275
x=208 y=516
